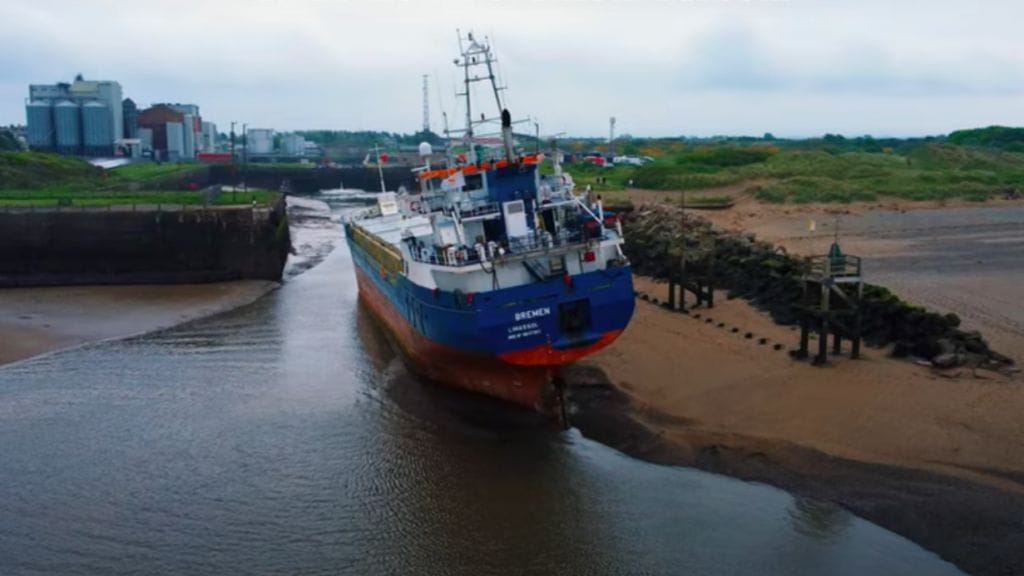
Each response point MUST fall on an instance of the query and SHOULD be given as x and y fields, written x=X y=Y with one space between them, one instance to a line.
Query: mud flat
x=934 y=456
x=38 y=320
x=964 y=258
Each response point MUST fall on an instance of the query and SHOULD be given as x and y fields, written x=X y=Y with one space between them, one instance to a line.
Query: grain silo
x=68 y=121
x=97 y=129
x=40 y=133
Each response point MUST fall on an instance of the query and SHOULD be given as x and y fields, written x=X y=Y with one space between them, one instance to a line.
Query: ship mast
x=472 y=55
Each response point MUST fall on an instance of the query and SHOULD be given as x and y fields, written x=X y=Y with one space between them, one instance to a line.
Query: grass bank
x=141 y=172
x=61 y=197
x=805 y=173
x=33 y=179
x=35 y=170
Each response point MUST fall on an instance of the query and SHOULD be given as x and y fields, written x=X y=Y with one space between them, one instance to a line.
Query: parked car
x=633 y=160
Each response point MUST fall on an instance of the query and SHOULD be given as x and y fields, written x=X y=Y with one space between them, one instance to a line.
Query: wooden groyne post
x=697 y=277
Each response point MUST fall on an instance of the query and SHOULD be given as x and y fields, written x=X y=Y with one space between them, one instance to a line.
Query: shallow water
x=285 y=438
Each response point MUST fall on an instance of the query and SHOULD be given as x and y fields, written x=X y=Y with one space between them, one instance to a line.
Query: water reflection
x=818 y=519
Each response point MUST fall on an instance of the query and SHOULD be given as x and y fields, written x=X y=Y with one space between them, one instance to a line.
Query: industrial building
x=161 y=130
x=90 y=118
x=293 y=145
x=131 y=118
x=259 y=141
x=190 y=109
x=209 y=137
x=175 y=132
x=83 y=117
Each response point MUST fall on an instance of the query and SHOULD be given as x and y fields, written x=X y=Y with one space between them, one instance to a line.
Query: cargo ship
x=492 y=276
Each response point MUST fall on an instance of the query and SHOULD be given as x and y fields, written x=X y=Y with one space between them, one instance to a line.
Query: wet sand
x=35 y=321
x=955 y=256
x=936 y=456
x=39 y=320
x=966 y=258
x=877 y=409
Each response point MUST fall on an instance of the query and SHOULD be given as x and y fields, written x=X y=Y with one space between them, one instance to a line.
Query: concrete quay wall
x=143 y=245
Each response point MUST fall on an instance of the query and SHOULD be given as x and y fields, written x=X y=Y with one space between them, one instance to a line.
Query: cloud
x=662 y=67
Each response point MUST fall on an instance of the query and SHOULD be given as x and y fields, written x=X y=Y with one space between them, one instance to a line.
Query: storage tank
x=40 y=125
x=68 y=121
x=97 y=130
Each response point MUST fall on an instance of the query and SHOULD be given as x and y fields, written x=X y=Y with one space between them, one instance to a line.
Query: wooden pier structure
x=696 y=276
x=833 y=292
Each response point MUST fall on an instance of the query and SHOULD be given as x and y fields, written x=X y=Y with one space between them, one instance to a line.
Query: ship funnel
x=506 y=134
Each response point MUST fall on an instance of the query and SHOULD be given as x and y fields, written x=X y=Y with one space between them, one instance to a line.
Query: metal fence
x=534 y=243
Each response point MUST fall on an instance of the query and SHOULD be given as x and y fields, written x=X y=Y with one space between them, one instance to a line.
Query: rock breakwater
x=766 y=275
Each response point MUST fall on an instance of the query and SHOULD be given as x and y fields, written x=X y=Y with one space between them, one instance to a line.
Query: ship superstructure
x=492 y=276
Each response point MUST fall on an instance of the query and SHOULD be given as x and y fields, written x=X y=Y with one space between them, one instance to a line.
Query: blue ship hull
x=506 y=343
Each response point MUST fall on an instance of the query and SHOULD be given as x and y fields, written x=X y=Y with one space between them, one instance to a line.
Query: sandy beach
x=878 y=409
x=38 y=320
x=933 y=455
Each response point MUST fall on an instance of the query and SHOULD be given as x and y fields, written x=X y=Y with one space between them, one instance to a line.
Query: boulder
x=947 y=361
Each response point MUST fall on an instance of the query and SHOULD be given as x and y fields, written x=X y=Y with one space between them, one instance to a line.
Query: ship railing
x=472 y=210
x=519 y=247
x=538 y=241
x=465 y=208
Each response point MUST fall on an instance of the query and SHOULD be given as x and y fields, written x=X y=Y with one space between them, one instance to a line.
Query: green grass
x=48 y=180
x=822 y=170
x=586 y=174
x=928 y=171
x=708 y=200
x=28 y=170
x=254 y=166
x=34 y=170
x=53 y=197
x=150 y=171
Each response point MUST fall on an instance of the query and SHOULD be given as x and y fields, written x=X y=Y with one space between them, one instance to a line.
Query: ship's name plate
x=530 y=314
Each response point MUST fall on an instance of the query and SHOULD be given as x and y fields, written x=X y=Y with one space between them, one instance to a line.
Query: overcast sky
x=662 y=67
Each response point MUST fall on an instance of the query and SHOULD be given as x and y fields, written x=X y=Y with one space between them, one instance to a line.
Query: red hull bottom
x=528 y=386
